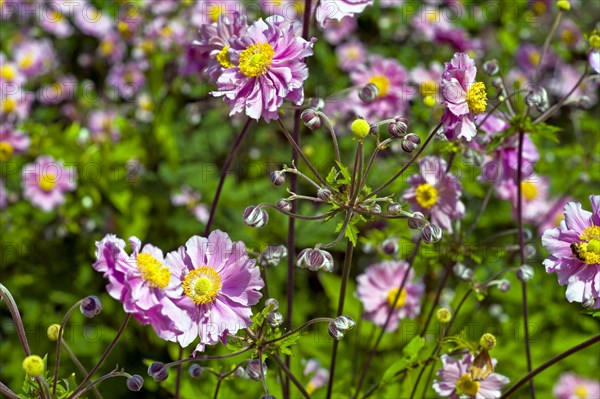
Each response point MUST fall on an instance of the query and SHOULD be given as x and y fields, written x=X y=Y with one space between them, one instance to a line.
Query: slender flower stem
x=355 y=186
x=340 y=235
x=410 y=162
x=308 y=179
x=6 y=391
x=59 y=341
x=438 y=294
x=224 y=170
x=80 y=366
x=295 y=215
x=340 y=310
x=204 y=358
x=546 y=45
x=365 y=369
x=7 y=297
x=296 y=146
x=112 y=374
x=552 y=110
x=302 y=327
x=522 y=255
x=336 y=148
x=549 y=363
x=178 y=373
x=291 y=376
x=107 y=352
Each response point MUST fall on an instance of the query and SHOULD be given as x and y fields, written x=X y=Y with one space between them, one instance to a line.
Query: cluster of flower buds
x=135 y=382
x=394 y=208
x=255 y=216
x=339 y=326
x=274 y=318
x=398 y=128
x=277 y=177
x=272 y=255
x=431 y=233
x=256 y=369
x=315 y=259
x=90 y=306
x=158 y=371
x=311 y=118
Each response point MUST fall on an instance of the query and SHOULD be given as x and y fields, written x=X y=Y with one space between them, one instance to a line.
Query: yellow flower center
x=153 y=272
x=26 y=61
x=223 y=58
x=382 y=83
x=129 y=77
x=256 y=59
x=588 y=250
x=56 y=16
x=535 y=58
x=567 y=37
x=353 y=53
x=48 y=181
x=8 y=72
x=539 y=7
x=559 y=218
x=432 y=16
x=392 y=295
x=214 y=13
x=477 y=98
x=595 y=41
x=426 y=195
x=123 y=27
x=429 y=101
x=167 y=31
x=466 y=385
x=6 y=150
x=581 y=392
x=9 y=105
x=428 y=88
x=147 y=46
x=202 y=285
x=106 y=47
x=146 y=104
x=310 y=388
x=529 y=190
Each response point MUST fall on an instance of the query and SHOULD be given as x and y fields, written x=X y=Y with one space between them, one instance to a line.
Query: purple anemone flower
x=46 y=181
x=435 y=192
x=572 y=386
x=219 y=285
x=574 y=249
x=377 y=289
x=265 y=67
x=12 y=142
x=455 y=380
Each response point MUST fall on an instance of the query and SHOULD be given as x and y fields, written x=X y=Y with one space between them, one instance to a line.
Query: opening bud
x=272 y=304
x=256 y=369
x=394 y=208
x=90 y=306
x=343 y=323
x=398 y=128
x=255 y=217
x=314 y=260
x=272 y=255
x=431 y=234
x=311 y=118
x=410 y=142
x=284 y=205
x=274 y=319
x=537 y=98
x=277 y=177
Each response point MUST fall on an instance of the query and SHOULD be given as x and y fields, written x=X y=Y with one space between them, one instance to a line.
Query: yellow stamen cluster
x=477 y=98
x=382 y=83
x=48 y=181
x=6 y=150
x=223 y=58
x=26 y=62
x=8 y=72
x=256 y=59
x=106 y=47
x=9 y=105
x=426 y=195
x=581 y=392
x=401 y=299
x=202 y=285
x=588 y=250
x=153 y=272
x=360 y=128
x=33 y=366
x=467 y=385
x=530 y=191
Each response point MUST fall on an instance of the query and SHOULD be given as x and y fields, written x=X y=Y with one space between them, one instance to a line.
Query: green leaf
x=352 y=233
x=412 y=349
x=347 y=178
x=394 y=369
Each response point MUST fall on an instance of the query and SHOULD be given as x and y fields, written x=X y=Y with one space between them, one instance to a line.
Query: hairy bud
x=255 y=217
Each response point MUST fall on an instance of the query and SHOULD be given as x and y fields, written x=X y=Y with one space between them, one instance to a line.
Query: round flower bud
x=462 y=272
x=90 y=306
x=334 y=332
x=272 y=255
x=53 y=332
x=417 y=221
x=158 y=371
x=431 y=234
x=504 y=285
x=375 y=208
x=277 y=177
x=274 y=319
x=272 y=304
x=390 y=246
x=410 y=142
x=135 y=382
x=491 y=67
x=284 y=205
x=537 y=98
x=255 y=217
x=368 y=93
x=33 y=366
x=311 y=118
x=315 y=259
x=564 y=5
x=324 y=193
x=443 y=315
x=394 y=208
x=487 y=341
x=360 y=128
x=525 y=273
x=343 y=323
x=195 y=371
x=253 y=370
x=429 y=101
